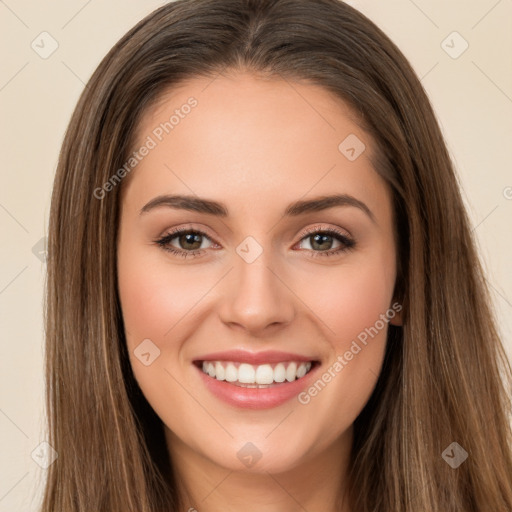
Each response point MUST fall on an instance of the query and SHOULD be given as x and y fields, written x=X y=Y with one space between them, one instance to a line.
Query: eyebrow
x=210 y=207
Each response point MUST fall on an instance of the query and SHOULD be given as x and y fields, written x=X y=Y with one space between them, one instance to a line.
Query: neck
x=314 y=484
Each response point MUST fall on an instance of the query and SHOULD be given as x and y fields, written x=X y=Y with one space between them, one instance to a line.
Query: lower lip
x=256 y=398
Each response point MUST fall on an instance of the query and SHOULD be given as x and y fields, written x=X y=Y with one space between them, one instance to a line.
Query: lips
x=255 y=380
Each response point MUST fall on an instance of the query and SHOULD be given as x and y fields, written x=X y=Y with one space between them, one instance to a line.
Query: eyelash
x=348 y=243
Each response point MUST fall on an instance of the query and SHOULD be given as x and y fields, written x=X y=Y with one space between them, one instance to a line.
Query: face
x=263 y=282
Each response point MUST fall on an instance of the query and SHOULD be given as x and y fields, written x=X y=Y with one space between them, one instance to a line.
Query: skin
x=256 y=145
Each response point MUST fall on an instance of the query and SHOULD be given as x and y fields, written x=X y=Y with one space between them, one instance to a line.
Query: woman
x=216 y=376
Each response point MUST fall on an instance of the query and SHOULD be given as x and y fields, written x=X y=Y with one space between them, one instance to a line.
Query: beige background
x=472 y=96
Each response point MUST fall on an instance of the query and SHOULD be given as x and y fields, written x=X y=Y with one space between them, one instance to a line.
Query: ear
x=395 y=314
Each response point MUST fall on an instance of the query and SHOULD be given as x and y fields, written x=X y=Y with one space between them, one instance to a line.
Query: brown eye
x=188 y=242
x=321 y=242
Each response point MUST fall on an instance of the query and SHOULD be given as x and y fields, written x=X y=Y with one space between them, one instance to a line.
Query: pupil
x=321 y=237
x=191 y=238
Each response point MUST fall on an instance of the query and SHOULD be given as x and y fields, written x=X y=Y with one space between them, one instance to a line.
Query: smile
x=263 y=380
x=256 y=376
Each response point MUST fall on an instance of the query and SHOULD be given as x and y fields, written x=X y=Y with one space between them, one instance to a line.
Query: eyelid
x=321 y=228
x=204 y=231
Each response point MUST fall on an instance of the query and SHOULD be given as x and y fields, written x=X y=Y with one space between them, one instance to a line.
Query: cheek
x=352 y=311
x=157 y=303
x=353 y=298
x=154 y=298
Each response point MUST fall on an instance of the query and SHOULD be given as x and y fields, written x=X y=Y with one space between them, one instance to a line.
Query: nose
x=256 y=297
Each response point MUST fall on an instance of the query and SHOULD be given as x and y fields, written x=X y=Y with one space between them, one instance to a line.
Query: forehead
x=246 y=100
x=244 y=136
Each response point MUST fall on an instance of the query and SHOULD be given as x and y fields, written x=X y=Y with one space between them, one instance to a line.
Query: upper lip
x=256 y=358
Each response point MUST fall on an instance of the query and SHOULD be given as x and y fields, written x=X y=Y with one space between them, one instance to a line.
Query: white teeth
x=255 y=375
x=280 y=372
x=220 y=373
x=301 y=370
x=291 y=372
x=231 y=373
x=264 y=374
x=246 y=374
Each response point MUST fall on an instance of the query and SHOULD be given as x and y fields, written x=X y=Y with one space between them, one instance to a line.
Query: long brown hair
x=446 y=377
